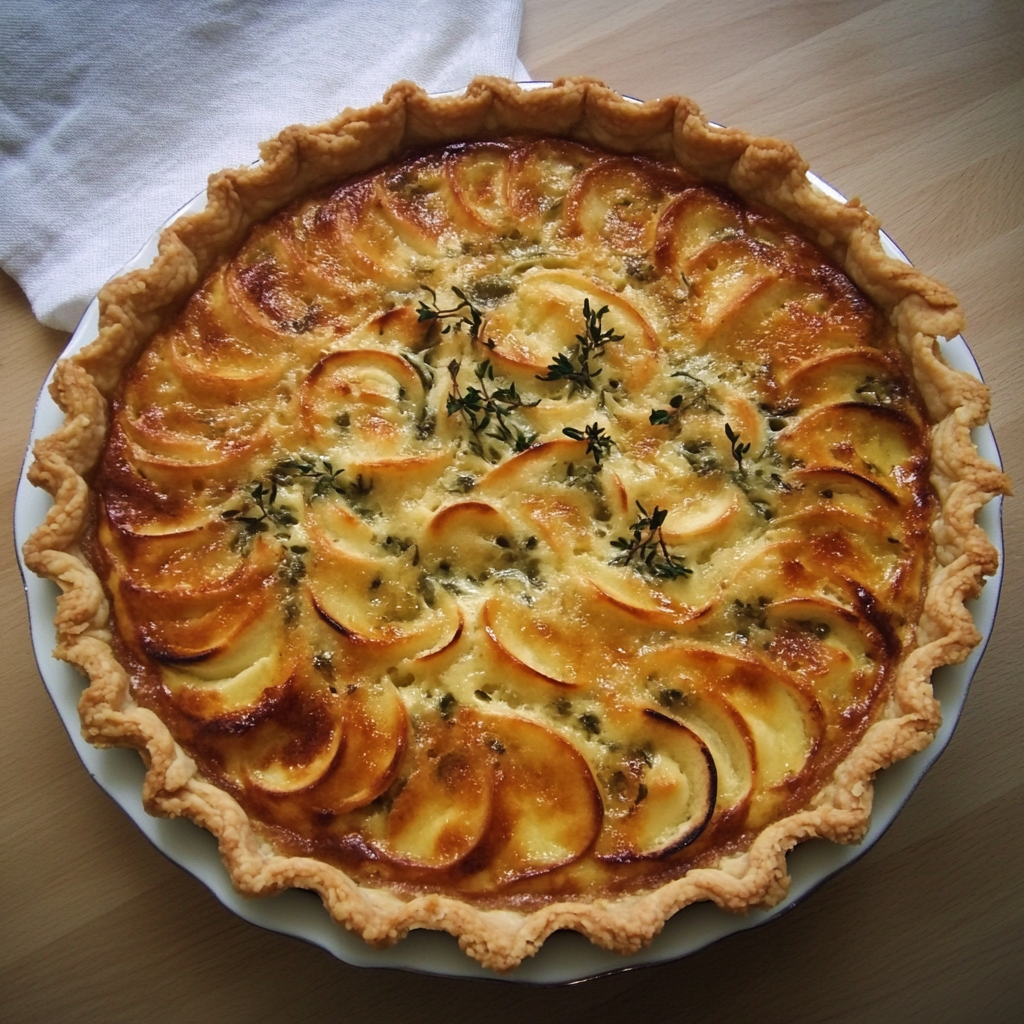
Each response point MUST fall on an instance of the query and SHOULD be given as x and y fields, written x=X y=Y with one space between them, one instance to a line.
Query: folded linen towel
x=113 y=113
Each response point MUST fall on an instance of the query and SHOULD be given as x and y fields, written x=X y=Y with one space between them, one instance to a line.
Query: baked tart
x=516 y=511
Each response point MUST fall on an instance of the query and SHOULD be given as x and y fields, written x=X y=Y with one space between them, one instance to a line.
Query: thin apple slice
x=474 y=535
x=616 y=201
x=270 y=271
x=553 y=487
x=446 y=644
x=365 y=401
x=563 y=521
x=420 y=206
x=201 y=557
x=846 y=491
x=295 y=750
x=691 y=222
x=550 y=415
x=728 y=739
x=282 y=744
x=540 y=174
x=180 y=472
x=562 y=636
x=254 y=637
x=699 y=507
x=139 y=511
x=660 y=795
x=478 y=175
x=396 y=330
x=875 y=441
x=860 y=547
x=656 y=603
x=335 y=293
x=835 y=651
x=387 y=482
x=533 y=645
x=743 y=417
x=332 y=526
x=377 y=608
x=174 y=421
x=137 y=508
x=723 y=276
x=681 y=679
x=227 y=329
x=445 y=804
x=354 y=226
x=257 y=299
x=854 y=375
x=787 y=726
x=224 y=699
x=547 y=808
x=773 y=302
x=541 y=464
x=376 y=726
x=777 y=320
x=189 y=626
x=787 y=568
x=704 y=508
x=238 y=679
x=782 y=728
x=543 y=317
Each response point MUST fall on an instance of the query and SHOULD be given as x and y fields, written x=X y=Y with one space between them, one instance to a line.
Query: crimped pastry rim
x=772 y=172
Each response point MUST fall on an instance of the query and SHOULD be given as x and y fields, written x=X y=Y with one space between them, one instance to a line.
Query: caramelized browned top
x=518 y=521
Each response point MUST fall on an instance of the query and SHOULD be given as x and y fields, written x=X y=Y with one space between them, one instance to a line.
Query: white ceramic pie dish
x=566 y=956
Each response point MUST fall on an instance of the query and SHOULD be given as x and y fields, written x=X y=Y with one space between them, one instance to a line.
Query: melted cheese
x=518 y=521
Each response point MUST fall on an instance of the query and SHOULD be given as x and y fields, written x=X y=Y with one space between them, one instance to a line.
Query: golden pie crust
x=517 y=511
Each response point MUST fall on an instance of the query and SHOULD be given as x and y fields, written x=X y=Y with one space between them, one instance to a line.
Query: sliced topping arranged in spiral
x=518 y=520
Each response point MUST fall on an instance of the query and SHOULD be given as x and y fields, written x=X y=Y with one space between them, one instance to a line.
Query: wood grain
x=918 y=107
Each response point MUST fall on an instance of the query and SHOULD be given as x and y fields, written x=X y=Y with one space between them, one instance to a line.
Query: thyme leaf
x=599 y=444
x=738 y=449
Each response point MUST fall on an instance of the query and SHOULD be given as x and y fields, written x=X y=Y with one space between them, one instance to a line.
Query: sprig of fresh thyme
x=264 y=496
x=575 y=367
x=471 y=318
x=648 y=547
x=481 y=408
x=599 y=444
x=324 y=478
x=318 y=477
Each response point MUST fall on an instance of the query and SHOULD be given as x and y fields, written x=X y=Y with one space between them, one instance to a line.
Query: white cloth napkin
x=113 y=113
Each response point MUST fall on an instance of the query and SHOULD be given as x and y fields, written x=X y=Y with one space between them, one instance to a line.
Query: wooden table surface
x=917 y=107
